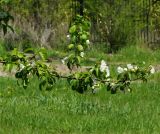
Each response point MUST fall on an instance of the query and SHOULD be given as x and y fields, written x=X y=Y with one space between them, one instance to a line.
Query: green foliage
x=35 y=65
x=29 y=66
x=155 y=14
x=81 y=81
x=5 y=17
x=79 y=40
x=117 y=23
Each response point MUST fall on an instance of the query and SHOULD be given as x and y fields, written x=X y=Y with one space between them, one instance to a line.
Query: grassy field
x=65 y=111
x=129 y=54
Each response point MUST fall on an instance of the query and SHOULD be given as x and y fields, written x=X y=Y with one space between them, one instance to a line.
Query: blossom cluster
x=133 y=68
x=104 y=68
x=152 y=70
x=129 y=67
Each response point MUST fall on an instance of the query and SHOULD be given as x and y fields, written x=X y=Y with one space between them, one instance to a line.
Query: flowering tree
x=91 y=79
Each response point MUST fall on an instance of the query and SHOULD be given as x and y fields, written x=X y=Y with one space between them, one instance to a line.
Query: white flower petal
x=120 y=70
x=130 y=66
x=87 y=42
x=152 y=71
x=68 y=36
x=82 y=54
x=107 y=72
x=135 y=67
x=21 y=66
x=63 y=60
x=103 y=66
x=125 y=69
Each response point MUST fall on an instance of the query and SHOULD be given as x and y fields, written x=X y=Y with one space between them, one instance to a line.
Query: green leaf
x=42 y=84
x=25 y=83
x=20 y=55
x=83 y=37
x=97 y=72
x=18 y=75
x=29 y=50
x=43 y=53
x=77 y=75
x=72 y=29
x=109 y=87
x=80 y=48
x=9 y=67
x=74 y=84
x=87 y=80
x=14 y=51
x=78 y=59
x=73 y=39
x=71 y=46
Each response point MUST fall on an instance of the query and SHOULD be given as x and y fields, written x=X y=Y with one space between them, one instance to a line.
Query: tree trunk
x=81 y=8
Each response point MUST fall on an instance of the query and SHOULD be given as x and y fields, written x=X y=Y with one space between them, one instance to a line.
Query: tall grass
x=65 y=111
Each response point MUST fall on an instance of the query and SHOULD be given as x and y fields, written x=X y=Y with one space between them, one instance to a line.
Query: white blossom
x=68 y=37
x=120 y=70
x=125 y=69
x=103 y=66
x=152 y=71
x=64 y=59
x=135 y=67
x=87 y=42
x=108 y=79
x=107 y=72
x=95 y=87
x=112 y=84
x=82 y=54
x=63 y=62
x=130 y=66
x=21 y=66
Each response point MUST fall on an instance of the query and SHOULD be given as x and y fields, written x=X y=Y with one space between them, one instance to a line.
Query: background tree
x=115 y=23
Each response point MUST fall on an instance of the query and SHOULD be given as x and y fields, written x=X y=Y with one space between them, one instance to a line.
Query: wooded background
x=115 y=23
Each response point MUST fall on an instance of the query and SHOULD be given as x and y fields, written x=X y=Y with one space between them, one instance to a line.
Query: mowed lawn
x=65 y=111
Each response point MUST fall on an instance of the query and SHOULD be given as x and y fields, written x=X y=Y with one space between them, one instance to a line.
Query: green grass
x=2 y=49
x=131 y=54
x=65 y=111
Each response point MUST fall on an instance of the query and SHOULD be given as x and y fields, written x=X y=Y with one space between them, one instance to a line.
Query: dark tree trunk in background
x=36 y=7
x=81 y=8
